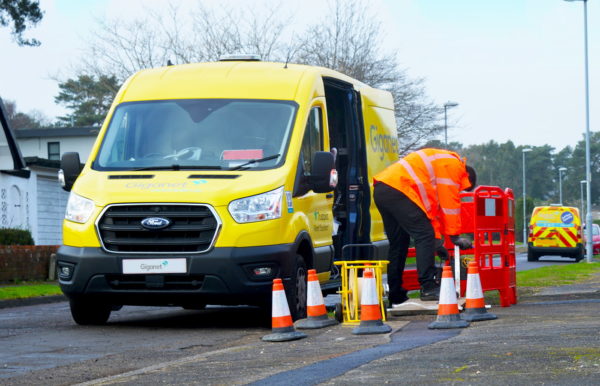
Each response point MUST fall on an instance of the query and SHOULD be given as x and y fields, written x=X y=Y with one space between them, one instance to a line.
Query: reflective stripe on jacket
x=432 y=179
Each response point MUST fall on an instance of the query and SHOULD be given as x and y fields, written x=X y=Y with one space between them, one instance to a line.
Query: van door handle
x=329 y=195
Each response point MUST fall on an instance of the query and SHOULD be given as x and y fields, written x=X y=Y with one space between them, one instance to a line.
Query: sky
x=515 y=67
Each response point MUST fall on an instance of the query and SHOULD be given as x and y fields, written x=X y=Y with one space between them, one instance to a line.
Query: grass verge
x=557 y=275
x=529 y=282
x=29 y=290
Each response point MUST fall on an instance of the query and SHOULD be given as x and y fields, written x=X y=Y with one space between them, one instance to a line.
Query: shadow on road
x=211 y=317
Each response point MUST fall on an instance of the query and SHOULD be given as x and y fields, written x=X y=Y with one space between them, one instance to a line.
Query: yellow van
x=208 y=180
x=555 y=230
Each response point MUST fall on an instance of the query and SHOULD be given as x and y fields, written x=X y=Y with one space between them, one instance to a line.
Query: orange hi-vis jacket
x=432 y=179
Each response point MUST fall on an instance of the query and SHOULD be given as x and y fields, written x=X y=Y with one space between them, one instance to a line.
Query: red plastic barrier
x=488 y=214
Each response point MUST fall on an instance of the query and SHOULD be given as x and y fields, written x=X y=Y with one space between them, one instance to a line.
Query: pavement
x=550 y=337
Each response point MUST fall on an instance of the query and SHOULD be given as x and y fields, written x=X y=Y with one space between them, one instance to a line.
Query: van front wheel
x=86 y=312
x=296 y=292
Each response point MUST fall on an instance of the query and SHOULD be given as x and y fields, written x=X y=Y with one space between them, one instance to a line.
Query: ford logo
x=155 y=223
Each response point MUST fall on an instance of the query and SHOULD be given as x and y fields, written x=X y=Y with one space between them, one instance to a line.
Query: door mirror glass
x=323 y=177
x=70 y=167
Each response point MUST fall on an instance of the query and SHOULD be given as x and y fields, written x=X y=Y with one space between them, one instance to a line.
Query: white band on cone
x=474 y=290
x=447 y=292
x=315 y=297
x=280 y=306
x=369 y=292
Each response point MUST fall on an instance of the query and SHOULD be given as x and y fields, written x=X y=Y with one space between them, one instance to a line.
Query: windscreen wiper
x=179 y=167
x=252 y=161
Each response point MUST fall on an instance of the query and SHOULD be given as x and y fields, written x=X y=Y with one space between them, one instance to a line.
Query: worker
x=418 y=197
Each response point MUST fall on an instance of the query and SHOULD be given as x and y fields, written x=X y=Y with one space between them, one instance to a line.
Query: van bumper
x=557 y=251
x=220 y=276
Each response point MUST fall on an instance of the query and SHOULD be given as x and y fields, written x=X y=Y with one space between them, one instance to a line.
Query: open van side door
x=346 y=134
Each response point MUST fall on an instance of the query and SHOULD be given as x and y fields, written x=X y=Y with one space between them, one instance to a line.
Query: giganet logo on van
x=383 y=143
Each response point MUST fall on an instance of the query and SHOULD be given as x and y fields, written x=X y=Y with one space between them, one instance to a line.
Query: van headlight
x=79 y=209
x=265 y=206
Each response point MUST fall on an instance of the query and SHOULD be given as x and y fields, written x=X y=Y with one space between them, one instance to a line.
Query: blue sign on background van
x=567 y=217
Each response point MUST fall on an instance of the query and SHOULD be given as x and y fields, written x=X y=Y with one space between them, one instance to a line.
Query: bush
x=12 y=236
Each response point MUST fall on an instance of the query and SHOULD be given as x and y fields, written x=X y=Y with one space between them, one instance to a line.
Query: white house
x=30 y=194
x=50 y=144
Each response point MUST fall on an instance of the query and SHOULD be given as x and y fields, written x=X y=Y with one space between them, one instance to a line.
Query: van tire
x=532 y=256
x=579 y=255
x=297 y=290
x=86 y=312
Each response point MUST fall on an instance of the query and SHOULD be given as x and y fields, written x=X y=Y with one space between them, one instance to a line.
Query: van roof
x=233 y=79
x=555 y=207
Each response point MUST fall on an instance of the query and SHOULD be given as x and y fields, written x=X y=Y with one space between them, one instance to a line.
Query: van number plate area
x=547 y=243
x=149 y=266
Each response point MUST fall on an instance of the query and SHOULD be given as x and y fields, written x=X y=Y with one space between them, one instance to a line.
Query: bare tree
x=348 y=40
x=123 y=47
x=417 y=118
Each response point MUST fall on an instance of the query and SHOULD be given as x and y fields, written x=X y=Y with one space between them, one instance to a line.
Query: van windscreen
x=196 y=134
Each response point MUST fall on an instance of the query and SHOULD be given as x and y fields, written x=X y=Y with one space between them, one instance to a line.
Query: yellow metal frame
x=350 y=288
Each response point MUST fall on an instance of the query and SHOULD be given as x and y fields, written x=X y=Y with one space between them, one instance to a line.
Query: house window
x=54 y=151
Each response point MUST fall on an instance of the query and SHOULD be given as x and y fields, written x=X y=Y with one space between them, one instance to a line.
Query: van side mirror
x=323 y=177
x=70 y=167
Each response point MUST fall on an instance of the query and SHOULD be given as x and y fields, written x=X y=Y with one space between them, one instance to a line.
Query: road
x=42 y=340
x=524 y=265
x=42 y=345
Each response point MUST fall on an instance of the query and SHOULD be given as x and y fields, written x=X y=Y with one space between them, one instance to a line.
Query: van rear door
x=556 y=228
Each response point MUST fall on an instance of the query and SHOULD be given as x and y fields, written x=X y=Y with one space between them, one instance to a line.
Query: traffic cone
x=283 y=328
x=448 y=316
x=370 y=309
x=315 y=306
x=475 y=305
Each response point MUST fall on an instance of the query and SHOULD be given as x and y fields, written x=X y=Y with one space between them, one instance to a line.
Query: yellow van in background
x=555 y=230
x=208 y=180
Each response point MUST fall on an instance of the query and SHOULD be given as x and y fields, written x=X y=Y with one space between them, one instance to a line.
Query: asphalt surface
x=550 y=337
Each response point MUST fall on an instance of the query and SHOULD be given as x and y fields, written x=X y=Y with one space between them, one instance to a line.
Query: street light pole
x=560 y=170
x=526 y=150
x=588 y=171
x=447 y=105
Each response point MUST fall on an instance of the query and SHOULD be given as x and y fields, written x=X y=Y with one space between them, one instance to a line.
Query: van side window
x=313 y=139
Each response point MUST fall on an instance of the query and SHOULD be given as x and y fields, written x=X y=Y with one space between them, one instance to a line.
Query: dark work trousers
x=402 y=220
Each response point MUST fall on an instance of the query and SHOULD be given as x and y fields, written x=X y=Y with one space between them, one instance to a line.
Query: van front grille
x=191 y=229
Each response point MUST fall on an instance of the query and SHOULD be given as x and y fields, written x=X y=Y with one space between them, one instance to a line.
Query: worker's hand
x=461 y=242
x=440 y=249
